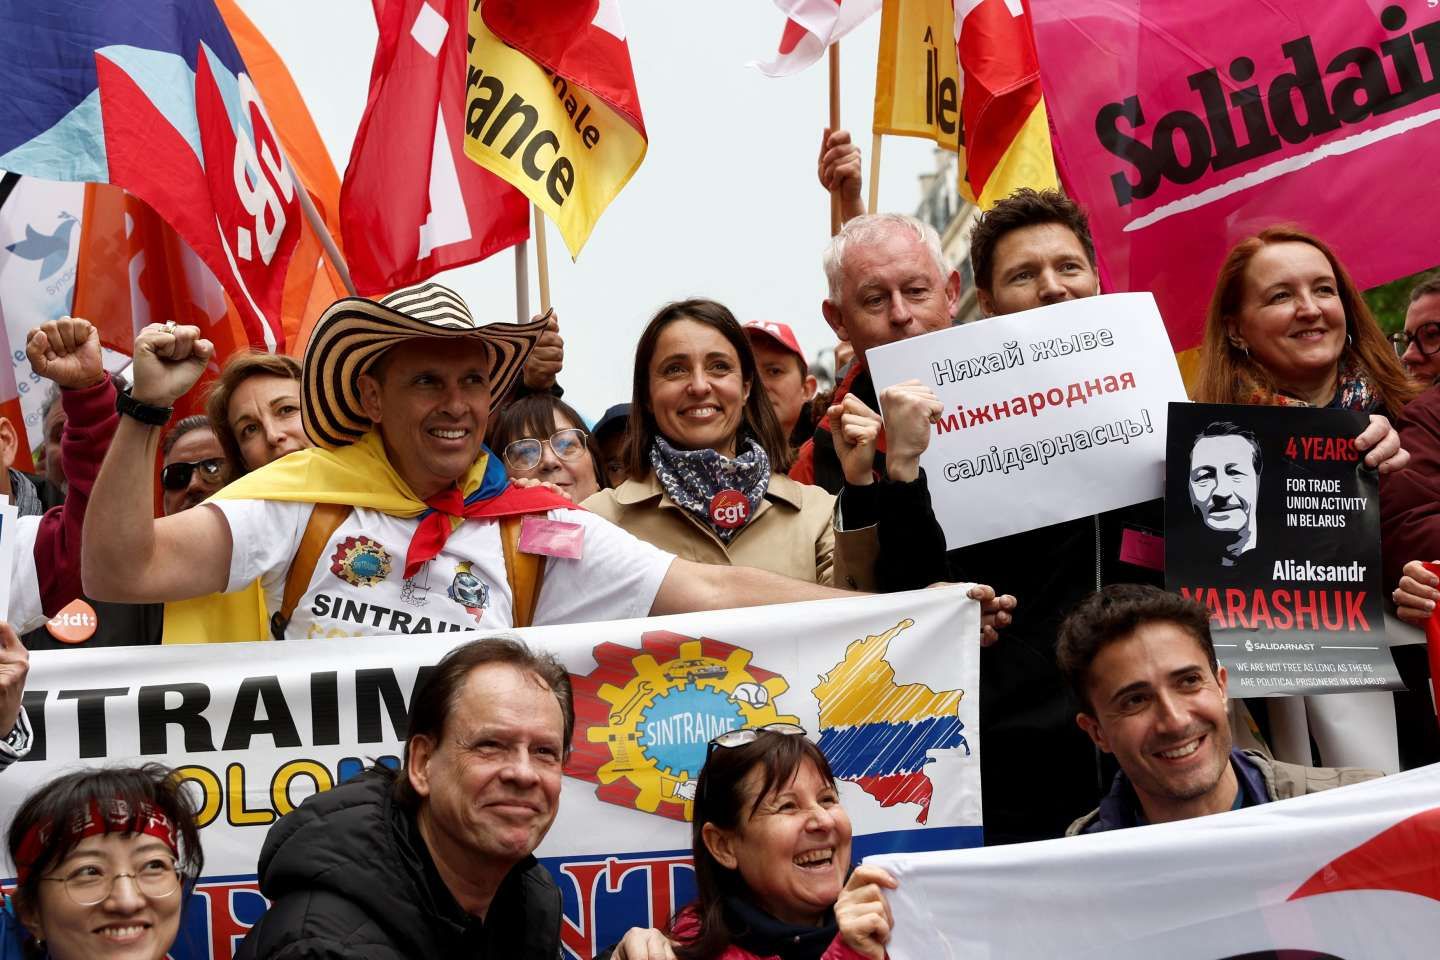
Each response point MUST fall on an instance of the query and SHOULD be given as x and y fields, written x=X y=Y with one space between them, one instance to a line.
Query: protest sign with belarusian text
x=1050 y=414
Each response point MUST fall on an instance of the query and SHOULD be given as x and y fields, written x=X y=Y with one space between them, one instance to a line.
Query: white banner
x=888 y=686
x=1348 y=874
x=39 y=242
x=1050 y=414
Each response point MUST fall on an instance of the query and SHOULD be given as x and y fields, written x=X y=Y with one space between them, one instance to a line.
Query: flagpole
x=542 y=262
x=332 y=252
x=874 y=174
x=522 y=281
x=834 y=125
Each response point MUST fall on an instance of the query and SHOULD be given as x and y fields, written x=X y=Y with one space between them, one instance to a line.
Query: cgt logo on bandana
x=360 y=562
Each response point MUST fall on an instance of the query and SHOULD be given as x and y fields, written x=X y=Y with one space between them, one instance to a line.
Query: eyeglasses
x=176 y=476
x=525 y=453
x=1426 y=336
x=90 y=884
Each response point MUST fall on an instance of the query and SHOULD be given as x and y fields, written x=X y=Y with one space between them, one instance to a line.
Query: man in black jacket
x=435 y=860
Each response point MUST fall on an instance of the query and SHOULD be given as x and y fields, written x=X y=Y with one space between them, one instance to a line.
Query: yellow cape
x=359 y=475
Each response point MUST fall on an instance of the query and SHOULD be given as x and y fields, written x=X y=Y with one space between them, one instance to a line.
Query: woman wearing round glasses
x=706 y=459
x=1418 y=345
x=541 y=438
x=105 y=859
x=771 y=848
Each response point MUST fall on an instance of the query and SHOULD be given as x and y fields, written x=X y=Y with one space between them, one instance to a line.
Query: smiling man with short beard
x=1143 y=668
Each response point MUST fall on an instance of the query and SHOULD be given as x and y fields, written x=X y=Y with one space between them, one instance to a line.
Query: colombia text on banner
x=888 y=686
x=411 y=204
x=917 y=78
x=1183 y=128
x=536 y=124
x=1347 y=874
x=1007 y=134
x=811 y=27
x=155 y=97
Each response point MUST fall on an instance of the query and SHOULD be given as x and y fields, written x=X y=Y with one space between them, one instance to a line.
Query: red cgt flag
x=412 y=204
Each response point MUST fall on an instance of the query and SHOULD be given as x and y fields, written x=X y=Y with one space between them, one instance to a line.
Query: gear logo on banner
x=644 y=718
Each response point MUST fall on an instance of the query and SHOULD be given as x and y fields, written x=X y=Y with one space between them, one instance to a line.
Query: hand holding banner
x=887 y=686
x=1054 y=413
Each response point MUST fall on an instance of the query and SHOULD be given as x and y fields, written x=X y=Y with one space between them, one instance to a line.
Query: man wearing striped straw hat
x=399 y=520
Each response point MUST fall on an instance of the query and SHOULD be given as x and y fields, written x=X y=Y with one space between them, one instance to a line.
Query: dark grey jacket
x=349 y=876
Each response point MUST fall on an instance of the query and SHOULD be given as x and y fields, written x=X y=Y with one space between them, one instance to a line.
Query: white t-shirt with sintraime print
x=359 y=588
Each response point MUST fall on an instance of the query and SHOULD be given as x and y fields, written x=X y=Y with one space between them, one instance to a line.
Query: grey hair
x=868 y=229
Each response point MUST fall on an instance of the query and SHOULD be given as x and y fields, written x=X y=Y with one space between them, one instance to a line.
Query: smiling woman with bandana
x=707 y=460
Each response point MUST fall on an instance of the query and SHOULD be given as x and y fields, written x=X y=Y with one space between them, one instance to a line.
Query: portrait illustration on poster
x=1273 y=523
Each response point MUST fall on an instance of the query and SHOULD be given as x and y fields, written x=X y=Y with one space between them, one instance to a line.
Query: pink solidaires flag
x=1183 y=128
x=812 y=26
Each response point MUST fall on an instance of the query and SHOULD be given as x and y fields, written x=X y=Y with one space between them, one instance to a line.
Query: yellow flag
x=917 y=76
x=563 y=148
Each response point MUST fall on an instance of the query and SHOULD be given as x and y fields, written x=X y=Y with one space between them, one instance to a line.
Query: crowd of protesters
x=722 y=482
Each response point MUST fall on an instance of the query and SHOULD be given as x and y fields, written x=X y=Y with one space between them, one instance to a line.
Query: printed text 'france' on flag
x=551 y=105
x=153 y=96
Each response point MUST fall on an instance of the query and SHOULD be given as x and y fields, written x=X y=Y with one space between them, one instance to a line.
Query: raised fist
x=66 y=351
x=169 y=359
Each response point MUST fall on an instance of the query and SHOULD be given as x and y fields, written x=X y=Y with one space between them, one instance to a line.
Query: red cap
x=779 y=332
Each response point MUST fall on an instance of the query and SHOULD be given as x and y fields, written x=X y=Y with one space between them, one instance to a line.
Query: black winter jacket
x=349 y=876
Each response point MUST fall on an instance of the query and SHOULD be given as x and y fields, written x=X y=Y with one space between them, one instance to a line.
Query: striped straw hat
x=354 y=331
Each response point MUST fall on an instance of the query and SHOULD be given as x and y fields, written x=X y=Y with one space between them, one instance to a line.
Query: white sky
x=726 y=204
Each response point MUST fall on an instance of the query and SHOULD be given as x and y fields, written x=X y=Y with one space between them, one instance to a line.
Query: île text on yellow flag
x=917 y=74
x=553 y=141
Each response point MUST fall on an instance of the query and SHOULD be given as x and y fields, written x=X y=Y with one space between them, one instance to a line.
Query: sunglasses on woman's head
x=525 y=453
x=744 y=735
x=176 y=476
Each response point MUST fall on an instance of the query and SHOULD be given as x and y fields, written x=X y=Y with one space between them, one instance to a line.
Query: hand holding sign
x=911 y=409
x=863 y=914
x=66 y=351
x=14 y=664
x=855 y=429
x=543 y=366
x=1383 y=443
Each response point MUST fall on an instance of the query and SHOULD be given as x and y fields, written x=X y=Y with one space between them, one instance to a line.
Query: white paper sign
x=8 y=517
x=1050 y=414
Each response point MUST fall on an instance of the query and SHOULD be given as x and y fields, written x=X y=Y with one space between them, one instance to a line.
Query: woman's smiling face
x=1291 y=318
x=697 y=391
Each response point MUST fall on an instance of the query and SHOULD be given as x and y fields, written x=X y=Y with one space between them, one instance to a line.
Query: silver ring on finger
x=170 y=327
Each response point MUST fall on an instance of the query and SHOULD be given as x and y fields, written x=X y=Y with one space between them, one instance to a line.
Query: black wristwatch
x=128 y=406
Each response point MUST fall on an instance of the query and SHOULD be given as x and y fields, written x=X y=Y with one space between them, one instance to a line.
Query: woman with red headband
x=104 y=860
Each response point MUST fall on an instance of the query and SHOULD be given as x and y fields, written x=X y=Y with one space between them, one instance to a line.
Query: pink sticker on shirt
x=552 y=538
x=1142 y=549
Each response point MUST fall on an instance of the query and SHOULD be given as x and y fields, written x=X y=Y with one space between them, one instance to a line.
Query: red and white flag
x=412 y=204
x=812 y=26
